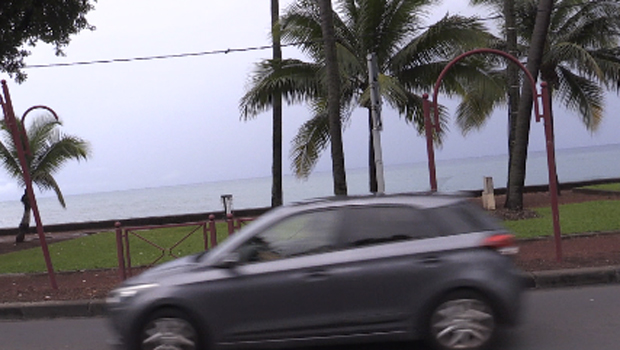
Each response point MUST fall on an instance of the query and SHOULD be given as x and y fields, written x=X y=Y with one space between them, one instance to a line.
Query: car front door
x=281 y=289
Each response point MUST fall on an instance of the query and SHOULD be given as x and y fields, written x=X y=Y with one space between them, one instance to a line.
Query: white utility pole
x=377 y=126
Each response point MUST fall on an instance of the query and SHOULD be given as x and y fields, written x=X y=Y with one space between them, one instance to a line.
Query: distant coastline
x=109 y=225
x=577 y=165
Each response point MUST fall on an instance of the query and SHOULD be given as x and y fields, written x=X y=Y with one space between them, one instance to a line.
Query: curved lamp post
x=23 y=148
x=23 y=134
x=432 y=125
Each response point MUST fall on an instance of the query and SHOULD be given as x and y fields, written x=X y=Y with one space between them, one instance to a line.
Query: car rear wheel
x=169 y=329
x=462 y=320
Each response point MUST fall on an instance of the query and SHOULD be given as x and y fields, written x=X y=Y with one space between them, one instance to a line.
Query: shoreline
x=109 y=225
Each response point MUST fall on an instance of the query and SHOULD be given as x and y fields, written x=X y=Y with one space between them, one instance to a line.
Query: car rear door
x=389 y=264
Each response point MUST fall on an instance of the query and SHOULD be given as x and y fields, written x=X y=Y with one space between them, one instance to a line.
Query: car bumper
x=527 y=280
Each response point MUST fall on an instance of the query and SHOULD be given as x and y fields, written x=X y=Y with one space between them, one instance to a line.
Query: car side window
x=464 y=217
x=383 y=224
x=301 y=234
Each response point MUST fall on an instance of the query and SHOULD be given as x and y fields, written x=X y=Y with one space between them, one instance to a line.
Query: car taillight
x=504 y=244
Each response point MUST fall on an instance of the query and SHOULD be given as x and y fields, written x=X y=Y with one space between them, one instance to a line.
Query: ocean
x=577 y=164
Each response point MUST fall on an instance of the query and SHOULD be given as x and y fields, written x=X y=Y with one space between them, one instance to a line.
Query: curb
x=96 y=308
x=52 y=309
x=574 y=277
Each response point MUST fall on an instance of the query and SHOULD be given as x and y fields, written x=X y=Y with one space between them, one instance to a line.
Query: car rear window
x=463 y=217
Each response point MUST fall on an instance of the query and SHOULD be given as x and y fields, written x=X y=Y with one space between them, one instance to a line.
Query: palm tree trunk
x=518 y=160
x=512 y=75
x=333 y=98
x=24 y=225
x=276 y=168
x=372 y=166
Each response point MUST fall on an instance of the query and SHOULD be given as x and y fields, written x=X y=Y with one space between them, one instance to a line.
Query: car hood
x=165 y=270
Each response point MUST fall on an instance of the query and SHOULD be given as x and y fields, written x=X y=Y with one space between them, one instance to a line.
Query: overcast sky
x=176 y=121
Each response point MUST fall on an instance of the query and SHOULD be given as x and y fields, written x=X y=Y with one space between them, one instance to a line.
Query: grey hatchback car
x=330 y=271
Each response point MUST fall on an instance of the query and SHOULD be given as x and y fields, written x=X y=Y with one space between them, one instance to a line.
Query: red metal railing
x=208 y=229
x=234 y=224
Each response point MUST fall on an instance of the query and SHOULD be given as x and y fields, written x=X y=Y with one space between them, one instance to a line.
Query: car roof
x=421 y=200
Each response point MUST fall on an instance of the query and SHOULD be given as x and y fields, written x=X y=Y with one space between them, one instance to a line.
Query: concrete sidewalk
x=96 y=308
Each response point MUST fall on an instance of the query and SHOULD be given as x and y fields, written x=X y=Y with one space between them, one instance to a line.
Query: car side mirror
x=230 y=260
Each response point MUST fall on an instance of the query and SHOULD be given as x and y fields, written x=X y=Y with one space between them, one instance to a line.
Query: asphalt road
x=567 y=319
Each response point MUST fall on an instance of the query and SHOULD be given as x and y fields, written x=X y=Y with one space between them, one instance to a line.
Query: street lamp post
x=20 y=140
x=377 y=124
x=432 y=123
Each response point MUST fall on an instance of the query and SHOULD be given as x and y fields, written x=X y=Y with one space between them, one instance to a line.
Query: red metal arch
x=39 y=107
x=23 y=126
x=528 y=75
x=545 y=114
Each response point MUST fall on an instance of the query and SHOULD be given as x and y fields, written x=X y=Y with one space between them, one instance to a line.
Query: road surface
x=566 y=319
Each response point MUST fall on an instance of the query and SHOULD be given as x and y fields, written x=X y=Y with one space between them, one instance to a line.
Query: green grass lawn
x=596 y=216
x=98 y=251
x=605 y=187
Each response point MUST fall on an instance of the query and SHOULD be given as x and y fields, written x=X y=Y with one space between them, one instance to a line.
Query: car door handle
x=430 y=260
x=317 y=275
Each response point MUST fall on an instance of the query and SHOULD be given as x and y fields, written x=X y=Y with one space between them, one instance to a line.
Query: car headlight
x=121 y=294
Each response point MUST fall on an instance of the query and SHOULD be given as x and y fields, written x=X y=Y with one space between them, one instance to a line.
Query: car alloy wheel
x=169 y=330
x=462 y=321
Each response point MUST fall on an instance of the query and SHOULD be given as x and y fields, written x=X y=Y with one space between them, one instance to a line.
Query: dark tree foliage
x=25 y=22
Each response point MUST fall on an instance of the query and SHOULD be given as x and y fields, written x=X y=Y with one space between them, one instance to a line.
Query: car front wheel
x=169 y=329
x=462 y=320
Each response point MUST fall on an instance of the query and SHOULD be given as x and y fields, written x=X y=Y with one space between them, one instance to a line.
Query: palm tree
x=538 y=42
x=333 y=97
x=276 y=168
x=49 y=151
x=410 y=58
x=578 y=56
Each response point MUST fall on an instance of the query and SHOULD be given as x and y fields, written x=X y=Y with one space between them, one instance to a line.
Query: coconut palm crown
x=410 y=57
x=49 y=150
x=582 y=55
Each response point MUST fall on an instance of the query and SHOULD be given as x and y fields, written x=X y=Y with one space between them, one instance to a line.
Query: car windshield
x=234 y=240
x=300 y=234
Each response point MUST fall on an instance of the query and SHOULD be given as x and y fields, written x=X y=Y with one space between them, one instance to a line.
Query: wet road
x=573 y=319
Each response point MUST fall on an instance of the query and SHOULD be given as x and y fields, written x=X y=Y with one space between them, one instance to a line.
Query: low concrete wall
x=108 y=225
